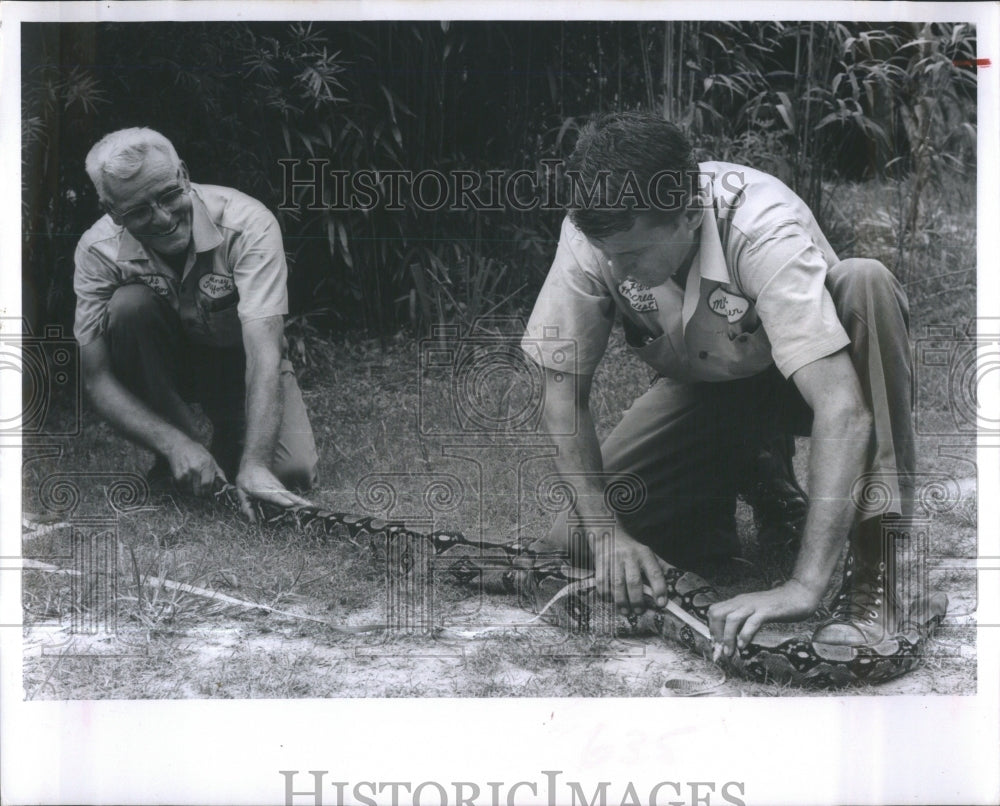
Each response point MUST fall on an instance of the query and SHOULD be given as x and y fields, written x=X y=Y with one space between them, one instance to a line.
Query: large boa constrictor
x=548 y=586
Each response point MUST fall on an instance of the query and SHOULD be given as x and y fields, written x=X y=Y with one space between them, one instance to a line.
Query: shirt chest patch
x=725 y=303
x=216 y=286
x=639 y=296
x=159 y=283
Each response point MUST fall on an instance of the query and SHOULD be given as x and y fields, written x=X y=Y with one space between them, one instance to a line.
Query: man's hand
x=256 y=481
x=620 y=566
x=193 y=466
x=735 y=621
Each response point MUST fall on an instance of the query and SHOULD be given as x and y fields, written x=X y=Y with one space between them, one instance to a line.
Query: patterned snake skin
x=549 y=587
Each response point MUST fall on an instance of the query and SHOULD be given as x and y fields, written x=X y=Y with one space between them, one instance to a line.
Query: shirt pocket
x=749 y=349
x=218 y=300
x=656 y=351
x=720 y=349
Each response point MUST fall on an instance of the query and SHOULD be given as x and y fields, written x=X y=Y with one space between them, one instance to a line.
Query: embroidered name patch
x=639 y=296
x=725 y=303
x=216 y=286
x=157 y=282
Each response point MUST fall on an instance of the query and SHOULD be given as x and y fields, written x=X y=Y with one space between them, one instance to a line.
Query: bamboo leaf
x=389 y=100
x=567 y=124
x=344 y=245
x=787 y=109
x=833 y=117
x=785 y=116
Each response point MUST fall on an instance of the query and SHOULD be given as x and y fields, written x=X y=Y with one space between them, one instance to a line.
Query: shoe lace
x=860 y=601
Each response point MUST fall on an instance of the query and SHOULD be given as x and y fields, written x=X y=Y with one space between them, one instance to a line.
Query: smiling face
x=169 y=230
x=653 y=249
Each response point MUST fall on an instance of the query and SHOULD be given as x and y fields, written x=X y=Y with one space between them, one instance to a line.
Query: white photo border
x=791 y=750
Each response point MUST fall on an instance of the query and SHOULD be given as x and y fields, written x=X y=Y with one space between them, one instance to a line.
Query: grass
x=366 y=405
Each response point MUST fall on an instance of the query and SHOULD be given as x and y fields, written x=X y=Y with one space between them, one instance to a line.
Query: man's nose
x=160 y=216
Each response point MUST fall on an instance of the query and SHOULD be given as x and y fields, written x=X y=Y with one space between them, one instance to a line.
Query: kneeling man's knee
x=862 y=270
x=869 y=269
x=133 y=305
x=865 y=277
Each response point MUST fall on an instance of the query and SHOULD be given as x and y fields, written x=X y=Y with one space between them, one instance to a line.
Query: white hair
x=121 y=155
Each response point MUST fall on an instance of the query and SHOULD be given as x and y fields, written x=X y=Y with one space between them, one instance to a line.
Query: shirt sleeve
x=573 y=315
x=94 y=282
x=259 y=268
x=785 y=272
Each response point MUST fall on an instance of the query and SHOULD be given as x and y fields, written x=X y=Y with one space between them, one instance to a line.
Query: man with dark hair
x=758 y=331
x=181 y=296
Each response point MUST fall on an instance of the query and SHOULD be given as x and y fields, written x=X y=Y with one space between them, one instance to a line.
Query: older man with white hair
x=181 y=293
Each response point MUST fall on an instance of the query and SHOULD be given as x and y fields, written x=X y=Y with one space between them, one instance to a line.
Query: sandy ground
x=487 y=650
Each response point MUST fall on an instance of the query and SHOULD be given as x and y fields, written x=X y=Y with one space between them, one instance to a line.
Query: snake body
x=547 y=585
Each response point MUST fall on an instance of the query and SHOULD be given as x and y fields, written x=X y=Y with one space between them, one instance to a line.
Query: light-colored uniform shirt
x=754 y=294
x=235 y=269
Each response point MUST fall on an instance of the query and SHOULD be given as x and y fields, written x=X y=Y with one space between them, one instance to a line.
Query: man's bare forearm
x=838 y=451
x=264 y=411
x=262 y=343
x=842 y=428
x=841 y=434
x=578 y=459
x=131 y=417
x=621 y=564
x=128 y=414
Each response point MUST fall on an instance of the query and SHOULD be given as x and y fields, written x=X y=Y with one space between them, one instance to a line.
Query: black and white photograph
x=416 y=403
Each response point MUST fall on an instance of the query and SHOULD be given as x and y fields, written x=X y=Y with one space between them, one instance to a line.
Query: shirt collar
x=204 y=233
x=709 y=263
x=711 y=260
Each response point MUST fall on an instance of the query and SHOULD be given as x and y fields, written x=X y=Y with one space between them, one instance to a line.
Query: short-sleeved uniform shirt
x=235 y=269
x=754 y=294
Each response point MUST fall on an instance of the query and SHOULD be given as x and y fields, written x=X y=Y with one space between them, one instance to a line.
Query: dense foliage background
x=819 y=104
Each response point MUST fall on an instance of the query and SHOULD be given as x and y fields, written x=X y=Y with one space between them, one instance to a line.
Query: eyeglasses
x=139 y=216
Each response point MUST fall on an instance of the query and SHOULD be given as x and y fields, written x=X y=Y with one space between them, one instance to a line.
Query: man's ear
x=184 y=172
x=694 y=216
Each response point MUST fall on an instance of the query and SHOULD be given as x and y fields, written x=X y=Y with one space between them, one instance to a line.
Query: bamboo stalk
x=618 y=54
x=680 y=71
x=668 y=84
x=646 y=69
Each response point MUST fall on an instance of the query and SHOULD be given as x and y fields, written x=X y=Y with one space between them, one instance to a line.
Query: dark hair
x=618 y=166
